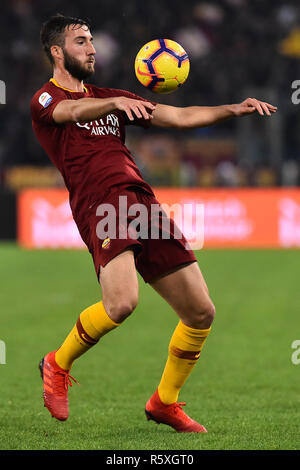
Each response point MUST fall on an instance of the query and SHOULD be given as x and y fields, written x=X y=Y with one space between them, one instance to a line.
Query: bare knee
x=209 y=314
x=120 y=308
x=202 y=315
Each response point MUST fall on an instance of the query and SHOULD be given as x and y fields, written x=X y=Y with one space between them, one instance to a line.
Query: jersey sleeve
x=137 y=121
x=43 y=104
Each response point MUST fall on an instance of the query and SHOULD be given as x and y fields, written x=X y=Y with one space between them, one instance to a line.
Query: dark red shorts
x=154 y=256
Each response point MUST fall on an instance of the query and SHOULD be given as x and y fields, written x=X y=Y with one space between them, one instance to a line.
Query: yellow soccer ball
x=162 y=65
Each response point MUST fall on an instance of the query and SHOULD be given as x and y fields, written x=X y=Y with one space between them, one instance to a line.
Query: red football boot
x=56 y=381
x=172 y=415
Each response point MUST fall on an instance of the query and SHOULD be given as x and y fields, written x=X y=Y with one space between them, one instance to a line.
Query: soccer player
x=82 y=129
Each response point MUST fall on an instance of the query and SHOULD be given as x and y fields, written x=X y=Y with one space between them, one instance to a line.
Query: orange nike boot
x=56 y=381
x=172 y=415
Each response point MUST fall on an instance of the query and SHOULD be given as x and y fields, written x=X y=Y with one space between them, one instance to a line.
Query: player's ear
x=57 y=52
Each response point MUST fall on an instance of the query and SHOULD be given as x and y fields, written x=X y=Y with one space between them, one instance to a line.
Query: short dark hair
x=52 y=31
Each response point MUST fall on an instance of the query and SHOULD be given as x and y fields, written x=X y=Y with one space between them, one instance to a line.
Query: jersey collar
x=67 y=89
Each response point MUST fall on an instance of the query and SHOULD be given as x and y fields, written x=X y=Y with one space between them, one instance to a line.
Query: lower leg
x=119 y=285
x=187 y=293
x=92 y=324
x=184 y=351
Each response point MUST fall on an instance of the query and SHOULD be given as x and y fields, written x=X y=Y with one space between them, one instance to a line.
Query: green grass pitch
x=245 y=388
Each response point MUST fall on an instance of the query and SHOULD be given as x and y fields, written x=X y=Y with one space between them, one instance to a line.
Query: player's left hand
x=252 y=105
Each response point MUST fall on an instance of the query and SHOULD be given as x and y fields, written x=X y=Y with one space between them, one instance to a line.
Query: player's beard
x=75 y=68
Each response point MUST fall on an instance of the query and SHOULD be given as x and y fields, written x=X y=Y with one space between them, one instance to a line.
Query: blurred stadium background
x=247 y=172
x=237 y=49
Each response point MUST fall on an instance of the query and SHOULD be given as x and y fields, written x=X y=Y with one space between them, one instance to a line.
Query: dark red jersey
x=92 y=157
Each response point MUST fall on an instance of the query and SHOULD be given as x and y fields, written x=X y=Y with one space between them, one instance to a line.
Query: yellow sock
x=92 y=324
x=184 y=351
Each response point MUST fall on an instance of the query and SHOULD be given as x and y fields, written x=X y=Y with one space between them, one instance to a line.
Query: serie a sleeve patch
x=45 y=99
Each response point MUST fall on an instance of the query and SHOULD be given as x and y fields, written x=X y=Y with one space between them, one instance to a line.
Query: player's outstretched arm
x=202 y=116
x=89 y=109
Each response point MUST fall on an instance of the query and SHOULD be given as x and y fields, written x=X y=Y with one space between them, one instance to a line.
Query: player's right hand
x=134 y=108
